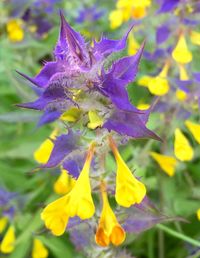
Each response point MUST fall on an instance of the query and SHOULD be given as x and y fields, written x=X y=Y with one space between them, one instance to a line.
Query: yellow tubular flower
x=78 y=202
x=133 y=45
x=116 y=19
x=181 y=95
x=183 y=73
x=95 y=120
x=39 y=250
x=198 y=214
x=138 y=12
x=144 y=81
x=15 y=31
x=3 y=223
x=182 y=148
x=8 y=243
x=166 y=163
x=195 y=37
x=159 y=85
x=143 y=106
x=42 y=154
x=109 y=230
x=64 y=183
x=56 y=216
x=80 y=198
x=181 y=53
x=194 y=129
x=129 y=190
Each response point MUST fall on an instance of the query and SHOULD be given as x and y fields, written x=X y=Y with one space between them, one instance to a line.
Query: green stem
x=178 y=235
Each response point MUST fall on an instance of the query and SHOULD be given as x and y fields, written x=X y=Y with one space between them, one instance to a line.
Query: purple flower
x=79 y=67
x=89 y=14
x=168 y=5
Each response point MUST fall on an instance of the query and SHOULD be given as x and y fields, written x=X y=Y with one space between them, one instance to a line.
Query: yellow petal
x=133 y=45
x=195 y=37
x=181 y=95
x=8 y=242
x=143 y=106
x=64 y=183
x=116 y=19
x=167 y=163
x=109 y=230
x=80 y=198
x=42 y=154
x=15 y=31
x=158 y=86
x=194 y=129
x=71 y=115
x=95 y=120
x=3 y=223
x=56 y=215
x=181 y=53
x=39 y=250
x=198 y=214
x=138 y=12
x=182 y=148
x=129 y=190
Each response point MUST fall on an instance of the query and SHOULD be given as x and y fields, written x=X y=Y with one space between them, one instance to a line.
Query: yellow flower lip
x=39 y=250
x=129 y=190
x=109 y=230
x=8 y=243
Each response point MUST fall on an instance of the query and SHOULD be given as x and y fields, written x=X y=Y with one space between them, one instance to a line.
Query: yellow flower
x=116 y=19
x=143 y=106
x=182 y=148
x=138 y=12
x=8 y=242
x=71 y=115
x=64 y=183
x=109 y=230
x=159 y=85
x=3 y=223
x=181 y=53
x=95 y=120
x=194 y=129
x=56 y=216
x=129 y=190
x=198 y=214
x=80 y=198
x=42 y=154
x=195 y=37
x=39 y=250
x=133 y=45
x=183 y=73
x=14 y=30
x=181 y=95
x=166 y=163
x=78 y=202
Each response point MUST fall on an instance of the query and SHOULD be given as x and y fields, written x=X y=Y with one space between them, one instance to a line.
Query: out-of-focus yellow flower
x=183 y=73
x=42 y=154
x=8 y=243
x=159 y=85
x=95 y=120
x=195 y=37
x=78 y=202
x=182 y=148
x=181 y=53
x=133 y=45
x=143 y=106
x=138 y=12
x=133 y=3
x=167 y=163
x=109 y=230
x=144 y=80
x=3 y=223
x=14 y=30
x=198 y=214
x=116 y=19
x=181 y=95
x=71 y=115
x=64 y=183
x=129 y=190
x=39 y=250
x=194 y=129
